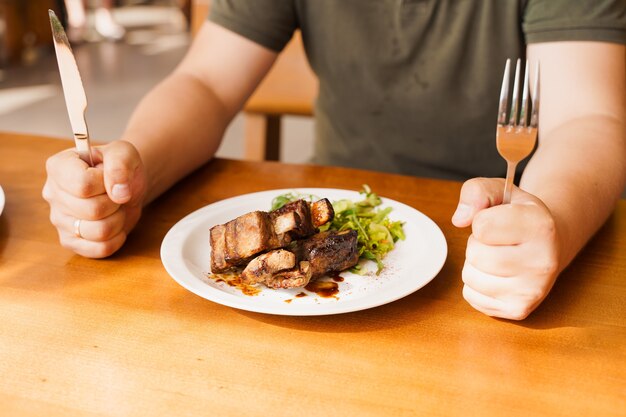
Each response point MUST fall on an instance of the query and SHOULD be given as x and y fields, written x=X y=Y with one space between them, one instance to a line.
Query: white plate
x=1 y=200
x=185 y=253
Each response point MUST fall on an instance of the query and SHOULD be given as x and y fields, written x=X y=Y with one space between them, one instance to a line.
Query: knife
x=75 y=97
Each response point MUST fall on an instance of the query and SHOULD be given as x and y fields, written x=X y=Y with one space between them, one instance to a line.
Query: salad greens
x=377 y=234
x=283 y=199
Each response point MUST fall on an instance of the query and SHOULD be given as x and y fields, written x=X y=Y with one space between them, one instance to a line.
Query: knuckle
x=95 y=211
x=550 y=267
x=54 y=218
x=108 y=248
x=547 y=226
x=478 y=182
x=92 y=212
x=470 y=251
x=66 y=242
x=535 y=294
x=465 y=275
x=82 y=187
x=546 y=264
x=126 y=149
x=103 y=231
x=50 y=164
x=466 y=293
x=481 y=190
x=518 y=311
x=117 y=172
x=46 y=192
x=478 y=225
x=102 y=250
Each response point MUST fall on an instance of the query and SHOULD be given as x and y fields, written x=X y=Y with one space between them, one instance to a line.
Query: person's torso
x=410 y=86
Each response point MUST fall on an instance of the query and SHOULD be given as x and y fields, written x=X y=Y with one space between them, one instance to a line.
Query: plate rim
x=230 y=300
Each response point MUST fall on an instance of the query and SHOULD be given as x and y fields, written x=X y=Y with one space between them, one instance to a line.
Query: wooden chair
x=289 y=88
x=26 y=26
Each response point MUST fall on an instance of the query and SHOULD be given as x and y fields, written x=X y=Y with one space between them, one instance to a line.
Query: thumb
x=477 y=194
x=120 y=161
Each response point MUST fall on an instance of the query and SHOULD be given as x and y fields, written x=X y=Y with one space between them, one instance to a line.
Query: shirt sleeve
x=575 y=20
x=270 y=23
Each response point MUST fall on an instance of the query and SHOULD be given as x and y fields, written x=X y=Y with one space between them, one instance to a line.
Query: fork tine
x=515 y=99
x=523 y=118
x=534 y=116
x=504 y=93
x=515 y=141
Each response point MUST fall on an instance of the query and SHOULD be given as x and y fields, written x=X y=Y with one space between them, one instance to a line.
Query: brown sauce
x=335 y=276
x=234 y=280
x=324 y=289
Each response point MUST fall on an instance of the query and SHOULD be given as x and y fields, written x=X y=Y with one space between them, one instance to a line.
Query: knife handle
x=83 y=147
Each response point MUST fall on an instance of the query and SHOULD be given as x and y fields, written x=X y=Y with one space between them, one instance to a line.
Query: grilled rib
x=236 y=242
x=293 y=278
x=329 y=251
x=264 y=266
x=318 y=255
x=322 y=212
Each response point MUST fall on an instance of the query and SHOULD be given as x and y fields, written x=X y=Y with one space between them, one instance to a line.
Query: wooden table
x=119 y=337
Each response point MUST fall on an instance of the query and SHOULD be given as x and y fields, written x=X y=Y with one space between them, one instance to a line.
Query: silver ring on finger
x=77 y=228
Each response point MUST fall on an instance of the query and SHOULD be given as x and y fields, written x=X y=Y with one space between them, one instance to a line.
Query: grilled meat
x=261 y=268
x=247 y=235
x=236 y=242
x=293 y=278
x=317 y=256
x=302 y=225
x=322 y=212
x=328 y=251
x=217 y=239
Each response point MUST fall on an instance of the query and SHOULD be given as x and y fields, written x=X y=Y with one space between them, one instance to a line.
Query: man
x=405 y=86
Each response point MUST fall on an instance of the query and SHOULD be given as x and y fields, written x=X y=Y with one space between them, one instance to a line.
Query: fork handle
x=508 y=182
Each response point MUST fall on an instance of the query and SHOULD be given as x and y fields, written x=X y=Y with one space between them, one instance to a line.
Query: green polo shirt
x=412 y=86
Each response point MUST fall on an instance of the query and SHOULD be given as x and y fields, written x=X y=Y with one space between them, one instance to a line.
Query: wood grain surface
x=119 y=337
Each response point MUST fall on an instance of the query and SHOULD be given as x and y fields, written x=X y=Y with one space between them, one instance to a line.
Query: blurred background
x=123 y=48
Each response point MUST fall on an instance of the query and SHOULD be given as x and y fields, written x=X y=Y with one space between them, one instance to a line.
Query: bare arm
x=579 y=168
x=179 y=125
x=569 y=188
x=176 y=128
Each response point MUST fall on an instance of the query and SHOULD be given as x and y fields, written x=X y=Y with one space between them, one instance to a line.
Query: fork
x=516 y=139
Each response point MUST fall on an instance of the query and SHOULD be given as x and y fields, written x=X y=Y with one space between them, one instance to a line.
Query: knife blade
x=73 y=90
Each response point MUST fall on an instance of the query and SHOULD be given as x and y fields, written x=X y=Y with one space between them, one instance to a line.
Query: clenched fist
x=94 y=208
x=512 y=257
